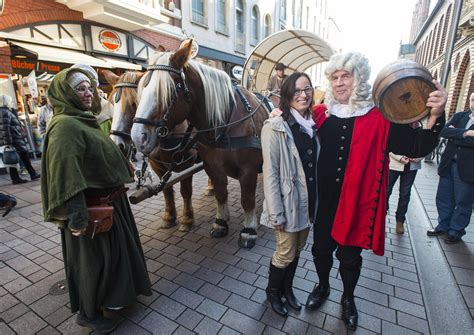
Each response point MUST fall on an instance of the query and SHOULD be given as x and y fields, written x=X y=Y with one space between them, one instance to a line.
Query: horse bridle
x=160 y=125
x=118 y=95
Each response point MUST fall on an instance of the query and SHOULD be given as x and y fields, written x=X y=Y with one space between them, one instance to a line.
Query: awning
x=45 y=76
x=58 y=55
x=297 y=49
x=120 y=64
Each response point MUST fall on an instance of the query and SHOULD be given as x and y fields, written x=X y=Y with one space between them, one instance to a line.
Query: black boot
x=274 y=290
x=349 y=312
x=320 y=292
x=317 y=297
x=350 y=273
x=288 y=285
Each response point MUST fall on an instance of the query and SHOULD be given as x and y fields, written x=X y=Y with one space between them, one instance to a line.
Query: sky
x=373 y=27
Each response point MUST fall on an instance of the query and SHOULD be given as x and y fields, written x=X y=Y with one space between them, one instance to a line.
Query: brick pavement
x=460 y=257
x=203 y=285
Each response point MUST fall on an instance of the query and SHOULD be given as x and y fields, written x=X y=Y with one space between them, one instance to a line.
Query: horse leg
x=188 y=213
x=210 y=188
x=220 y=228
x=169 y=216
x=248 y=185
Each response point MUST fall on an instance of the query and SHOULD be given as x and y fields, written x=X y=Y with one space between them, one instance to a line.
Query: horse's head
x=164 y=98
x=124 y=99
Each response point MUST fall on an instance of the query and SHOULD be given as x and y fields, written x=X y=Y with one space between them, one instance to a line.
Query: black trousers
x=350 y=259
x=26 y=160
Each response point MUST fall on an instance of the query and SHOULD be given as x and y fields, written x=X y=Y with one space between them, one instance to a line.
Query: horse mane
x=218 y=92
x=129 y=77
x=217 y=85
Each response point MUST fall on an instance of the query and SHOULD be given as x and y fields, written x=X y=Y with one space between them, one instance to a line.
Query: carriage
x=223 y=119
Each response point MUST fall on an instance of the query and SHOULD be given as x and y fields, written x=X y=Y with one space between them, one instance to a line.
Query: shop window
x=199 y=12
x=255 y=25
x=221 y=17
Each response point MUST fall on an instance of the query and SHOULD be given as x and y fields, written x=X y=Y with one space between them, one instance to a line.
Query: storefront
x=229 y=63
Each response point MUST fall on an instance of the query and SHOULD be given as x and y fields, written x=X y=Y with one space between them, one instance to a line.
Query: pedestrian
x=455 y=195
x=45 y=113
x=104 y=270
x=276 y=81
x=405 y=168
x=11 y=134
x=7 y=202
x=290 y=150
x=352 y=173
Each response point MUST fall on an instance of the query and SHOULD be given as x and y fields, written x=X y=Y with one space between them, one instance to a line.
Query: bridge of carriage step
x=208 y=286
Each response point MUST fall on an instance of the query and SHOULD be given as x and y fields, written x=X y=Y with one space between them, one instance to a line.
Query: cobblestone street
x=210 y=286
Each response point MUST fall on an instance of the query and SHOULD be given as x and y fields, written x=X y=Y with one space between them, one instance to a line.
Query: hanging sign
x=109 y=41
x=31 y=80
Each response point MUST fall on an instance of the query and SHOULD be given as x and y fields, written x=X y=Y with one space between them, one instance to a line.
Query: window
x=240 y=26
x=221 y=20
x=283 y=10
x=198 y=12
x=268 y=25
x=255 y=25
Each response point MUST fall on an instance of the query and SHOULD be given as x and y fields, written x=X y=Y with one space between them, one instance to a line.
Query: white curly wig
x=358 y=65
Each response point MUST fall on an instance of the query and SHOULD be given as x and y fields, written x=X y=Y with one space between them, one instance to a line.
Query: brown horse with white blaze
x=124 y=99
x=228 y=120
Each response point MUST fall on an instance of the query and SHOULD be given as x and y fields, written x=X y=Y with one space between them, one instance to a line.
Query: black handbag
x=9 y=156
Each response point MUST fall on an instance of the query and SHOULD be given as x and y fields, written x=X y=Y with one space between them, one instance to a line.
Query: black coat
x=462 y=147
x=10 y=130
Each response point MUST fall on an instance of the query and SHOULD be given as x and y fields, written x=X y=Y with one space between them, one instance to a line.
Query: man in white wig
x=352 y=173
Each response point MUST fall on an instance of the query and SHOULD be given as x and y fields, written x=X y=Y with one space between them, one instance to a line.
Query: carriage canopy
x=297 y=49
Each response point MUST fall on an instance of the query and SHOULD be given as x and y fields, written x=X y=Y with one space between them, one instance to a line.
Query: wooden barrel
x=401 y=90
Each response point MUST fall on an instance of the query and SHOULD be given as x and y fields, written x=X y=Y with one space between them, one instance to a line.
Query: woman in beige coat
x=290 y=150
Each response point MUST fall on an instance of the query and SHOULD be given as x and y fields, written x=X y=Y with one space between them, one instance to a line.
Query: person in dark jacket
x=106 y=270
x=10 y=134
x=455 y=194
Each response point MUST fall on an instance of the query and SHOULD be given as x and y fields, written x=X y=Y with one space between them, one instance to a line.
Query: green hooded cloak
x=77 y=155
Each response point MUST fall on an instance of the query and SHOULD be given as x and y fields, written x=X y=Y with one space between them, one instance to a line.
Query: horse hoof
x=184 y=227
x=219 y=229
x=167 y=224
x=247 y=238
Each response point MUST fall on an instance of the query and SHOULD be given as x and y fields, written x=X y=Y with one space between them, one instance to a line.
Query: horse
x=124 y=99
x=227 y=118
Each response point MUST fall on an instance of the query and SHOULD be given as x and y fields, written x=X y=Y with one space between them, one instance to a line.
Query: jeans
x=407 y=178
x=454 y=200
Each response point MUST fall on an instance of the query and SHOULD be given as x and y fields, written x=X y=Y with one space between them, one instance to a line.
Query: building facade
x=432 y=42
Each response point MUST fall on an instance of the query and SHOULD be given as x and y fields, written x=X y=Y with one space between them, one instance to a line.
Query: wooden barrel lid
x=401 y=90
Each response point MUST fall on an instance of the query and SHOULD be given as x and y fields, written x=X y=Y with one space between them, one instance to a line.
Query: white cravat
x=344 y=111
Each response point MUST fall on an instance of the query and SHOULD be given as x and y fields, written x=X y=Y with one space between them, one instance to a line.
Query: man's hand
x=437 y=100
x=404 y=160
x=469 y=133
x=276 y=112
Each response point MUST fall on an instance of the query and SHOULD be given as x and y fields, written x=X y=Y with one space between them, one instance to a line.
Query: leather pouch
x=100 y=219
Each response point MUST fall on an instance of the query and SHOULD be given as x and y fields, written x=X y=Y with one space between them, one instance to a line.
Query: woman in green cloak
x=79 y=164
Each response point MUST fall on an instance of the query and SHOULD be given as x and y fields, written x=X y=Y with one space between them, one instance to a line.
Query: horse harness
x=117 y=97
x=221 y=140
